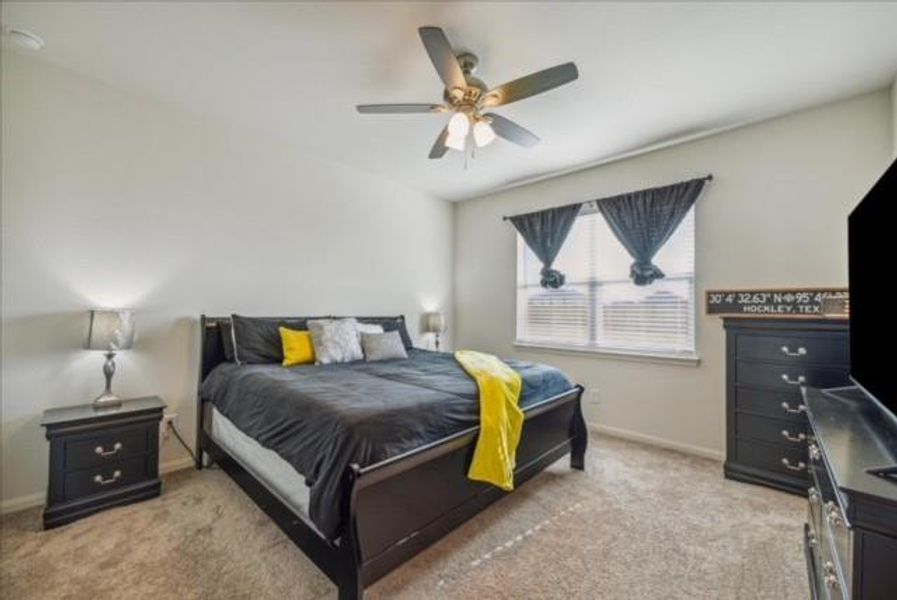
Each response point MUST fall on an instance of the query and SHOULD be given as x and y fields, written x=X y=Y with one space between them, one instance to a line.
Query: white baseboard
x=657 y=441
x=39 y=498
x=175 y=465
x=22 y=502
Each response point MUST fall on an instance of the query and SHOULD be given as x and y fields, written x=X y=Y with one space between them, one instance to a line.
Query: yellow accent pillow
x=297 y=347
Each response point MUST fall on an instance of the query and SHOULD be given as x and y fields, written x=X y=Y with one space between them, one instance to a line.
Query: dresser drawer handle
x=98 y=479
x=814 y=452
x=801 y=466
x=833 y=514
x=799 y=381
x=800 y=437
x=801 y=351
x=800 y=408
x=830 y=578
x=99 y=450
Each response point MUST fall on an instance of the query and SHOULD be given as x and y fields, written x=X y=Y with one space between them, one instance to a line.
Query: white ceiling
x=648 y=72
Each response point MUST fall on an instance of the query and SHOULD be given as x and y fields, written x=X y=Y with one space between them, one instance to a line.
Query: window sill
x=687 y=360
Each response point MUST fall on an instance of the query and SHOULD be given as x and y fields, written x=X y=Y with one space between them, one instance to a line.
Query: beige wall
x=774 y=215
x=111 y=200
x=894 y=116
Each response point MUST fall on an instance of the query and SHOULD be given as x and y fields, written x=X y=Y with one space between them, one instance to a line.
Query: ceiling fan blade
x=511 y=131
x=443 y=57
x=439 y=148
x=399 y=108
x=532 y=84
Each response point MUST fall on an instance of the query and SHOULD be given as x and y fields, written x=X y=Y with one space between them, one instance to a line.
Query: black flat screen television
x=872 y=266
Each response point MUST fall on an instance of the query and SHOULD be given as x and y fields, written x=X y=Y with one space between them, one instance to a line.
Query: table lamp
x=434 y=322
x=110 y=330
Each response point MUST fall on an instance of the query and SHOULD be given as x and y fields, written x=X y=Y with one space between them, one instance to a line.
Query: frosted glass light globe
x=455 y=142
x=483 y=134
x=459 y=125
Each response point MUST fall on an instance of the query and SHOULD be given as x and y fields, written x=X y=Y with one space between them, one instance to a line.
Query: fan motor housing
x=475 y=89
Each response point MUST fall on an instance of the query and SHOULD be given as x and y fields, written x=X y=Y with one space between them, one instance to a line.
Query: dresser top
x=786 y=323
x=855 y=434
x=87 y=413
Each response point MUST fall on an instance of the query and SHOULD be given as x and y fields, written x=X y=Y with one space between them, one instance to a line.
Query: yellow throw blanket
x=501 y=420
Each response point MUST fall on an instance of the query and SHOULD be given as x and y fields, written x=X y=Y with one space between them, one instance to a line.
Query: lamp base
x=106 y=400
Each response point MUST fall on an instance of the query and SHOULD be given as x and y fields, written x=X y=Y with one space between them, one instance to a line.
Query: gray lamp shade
x=110 y=330
x=434 y=322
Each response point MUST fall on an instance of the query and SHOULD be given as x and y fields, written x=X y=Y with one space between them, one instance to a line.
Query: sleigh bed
x=367 y=516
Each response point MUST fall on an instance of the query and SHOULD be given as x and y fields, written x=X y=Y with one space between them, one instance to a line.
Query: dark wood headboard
x=211 y=354
x=211 y=345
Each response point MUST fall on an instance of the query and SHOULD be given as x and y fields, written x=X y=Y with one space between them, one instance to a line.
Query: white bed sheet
x=267 y=466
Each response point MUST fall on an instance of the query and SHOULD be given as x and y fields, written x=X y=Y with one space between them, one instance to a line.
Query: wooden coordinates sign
x=804 y=302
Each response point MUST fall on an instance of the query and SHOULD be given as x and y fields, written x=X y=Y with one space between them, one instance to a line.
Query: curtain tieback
x=552 y=278
x=645 y=272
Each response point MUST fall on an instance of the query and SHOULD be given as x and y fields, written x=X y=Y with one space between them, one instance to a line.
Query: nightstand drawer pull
x=801 y=466
x=801 y=351
x=799 y=381
x=101 y=452
x=800 y=408
x=98 y=479
x=800 y=437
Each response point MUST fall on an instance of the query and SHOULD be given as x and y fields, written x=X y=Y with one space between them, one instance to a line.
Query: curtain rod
x=708 y=177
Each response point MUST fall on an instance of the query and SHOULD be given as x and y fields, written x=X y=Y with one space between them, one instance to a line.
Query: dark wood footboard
x=398 y=507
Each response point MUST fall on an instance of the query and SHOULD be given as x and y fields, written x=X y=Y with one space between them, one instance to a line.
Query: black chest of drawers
x=101 y=459
x=767 y=363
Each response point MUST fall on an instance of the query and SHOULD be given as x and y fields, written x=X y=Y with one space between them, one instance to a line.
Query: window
x=600 y=307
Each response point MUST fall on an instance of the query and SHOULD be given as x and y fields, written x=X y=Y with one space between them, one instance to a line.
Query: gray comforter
x=320 y=419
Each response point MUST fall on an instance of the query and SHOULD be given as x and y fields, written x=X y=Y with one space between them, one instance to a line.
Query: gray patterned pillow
x=382 y=346
x=335 y=341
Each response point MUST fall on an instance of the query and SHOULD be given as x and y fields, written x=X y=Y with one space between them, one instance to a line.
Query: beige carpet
x=640 y=523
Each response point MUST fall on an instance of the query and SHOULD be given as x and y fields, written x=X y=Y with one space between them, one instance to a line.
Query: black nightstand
x=101 y=458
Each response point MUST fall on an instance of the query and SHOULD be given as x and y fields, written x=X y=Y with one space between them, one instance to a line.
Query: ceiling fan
x=468 y=97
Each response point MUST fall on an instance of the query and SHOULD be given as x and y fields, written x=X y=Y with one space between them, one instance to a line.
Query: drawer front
x=797 y=349
x=106 y=447
x=780 y=405
x=832 y=523
x=832 y=586
x=790 y=377
x=771 y=430
x=773 y=457
x=107 y=478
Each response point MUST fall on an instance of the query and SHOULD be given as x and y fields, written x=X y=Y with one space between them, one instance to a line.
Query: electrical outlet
x=592 y=394
x=163 y=425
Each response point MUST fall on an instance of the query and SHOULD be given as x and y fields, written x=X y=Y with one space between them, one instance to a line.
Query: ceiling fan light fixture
x=455 y=142
x=466 y=97
x=459 y=125
x=483 y=134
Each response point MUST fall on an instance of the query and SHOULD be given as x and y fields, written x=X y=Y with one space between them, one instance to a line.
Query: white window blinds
x=600 y=307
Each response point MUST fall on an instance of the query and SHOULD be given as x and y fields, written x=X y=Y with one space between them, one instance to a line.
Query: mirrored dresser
x=851 y=530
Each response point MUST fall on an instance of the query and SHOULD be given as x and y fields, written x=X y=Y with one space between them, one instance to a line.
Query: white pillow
x=335 y=341
x=368 y=328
